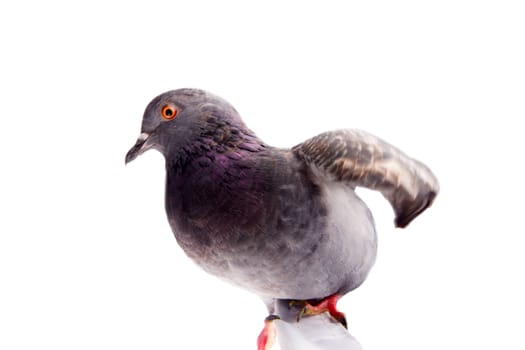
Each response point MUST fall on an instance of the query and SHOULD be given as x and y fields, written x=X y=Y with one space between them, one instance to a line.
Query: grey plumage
x=282 y=223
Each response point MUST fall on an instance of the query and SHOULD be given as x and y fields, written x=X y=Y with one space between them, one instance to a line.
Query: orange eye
x=169 y=112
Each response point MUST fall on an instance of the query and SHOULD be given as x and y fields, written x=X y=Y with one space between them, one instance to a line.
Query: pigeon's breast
x=316 y=244
x=273 y=229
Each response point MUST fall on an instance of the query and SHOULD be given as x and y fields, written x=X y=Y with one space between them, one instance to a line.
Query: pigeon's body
x=262 y=219
x=285 y=224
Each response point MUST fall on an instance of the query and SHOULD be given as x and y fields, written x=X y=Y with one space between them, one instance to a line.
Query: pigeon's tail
x=320 y=332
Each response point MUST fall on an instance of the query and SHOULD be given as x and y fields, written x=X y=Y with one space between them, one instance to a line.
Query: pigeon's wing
x=358 y=158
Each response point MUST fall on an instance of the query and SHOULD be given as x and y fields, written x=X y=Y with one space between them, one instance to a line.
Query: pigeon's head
x=181 y=119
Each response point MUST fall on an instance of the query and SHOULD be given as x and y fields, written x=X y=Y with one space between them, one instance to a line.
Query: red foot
x=328 y=304
x=266 y=338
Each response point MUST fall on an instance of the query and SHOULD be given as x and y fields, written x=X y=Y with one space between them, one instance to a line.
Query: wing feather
x=358 y=158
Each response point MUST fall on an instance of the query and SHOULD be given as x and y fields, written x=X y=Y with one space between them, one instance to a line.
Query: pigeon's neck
x=222 y=147
x=212 y=186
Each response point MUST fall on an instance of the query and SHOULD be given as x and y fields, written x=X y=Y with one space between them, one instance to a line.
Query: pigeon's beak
x=140 y=147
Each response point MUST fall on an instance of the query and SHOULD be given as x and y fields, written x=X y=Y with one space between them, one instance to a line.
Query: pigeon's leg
x=329 y=305
x=266 y=338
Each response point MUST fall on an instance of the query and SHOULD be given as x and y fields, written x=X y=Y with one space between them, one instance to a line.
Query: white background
x=87 y=260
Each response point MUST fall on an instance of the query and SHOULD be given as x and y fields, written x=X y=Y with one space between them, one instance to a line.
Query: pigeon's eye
x=169 y=112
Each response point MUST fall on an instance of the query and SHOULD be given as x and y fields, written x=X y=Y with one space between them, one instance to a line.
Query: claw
x=328 y=304
x=294 y=303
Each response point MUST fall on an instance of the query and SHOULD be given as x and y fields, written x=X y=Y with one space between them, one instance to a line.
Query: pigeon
x=283 y=223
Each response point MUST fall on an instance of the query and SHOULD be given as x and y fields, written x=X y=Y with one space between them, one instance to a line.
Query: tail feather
x=320 y=332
